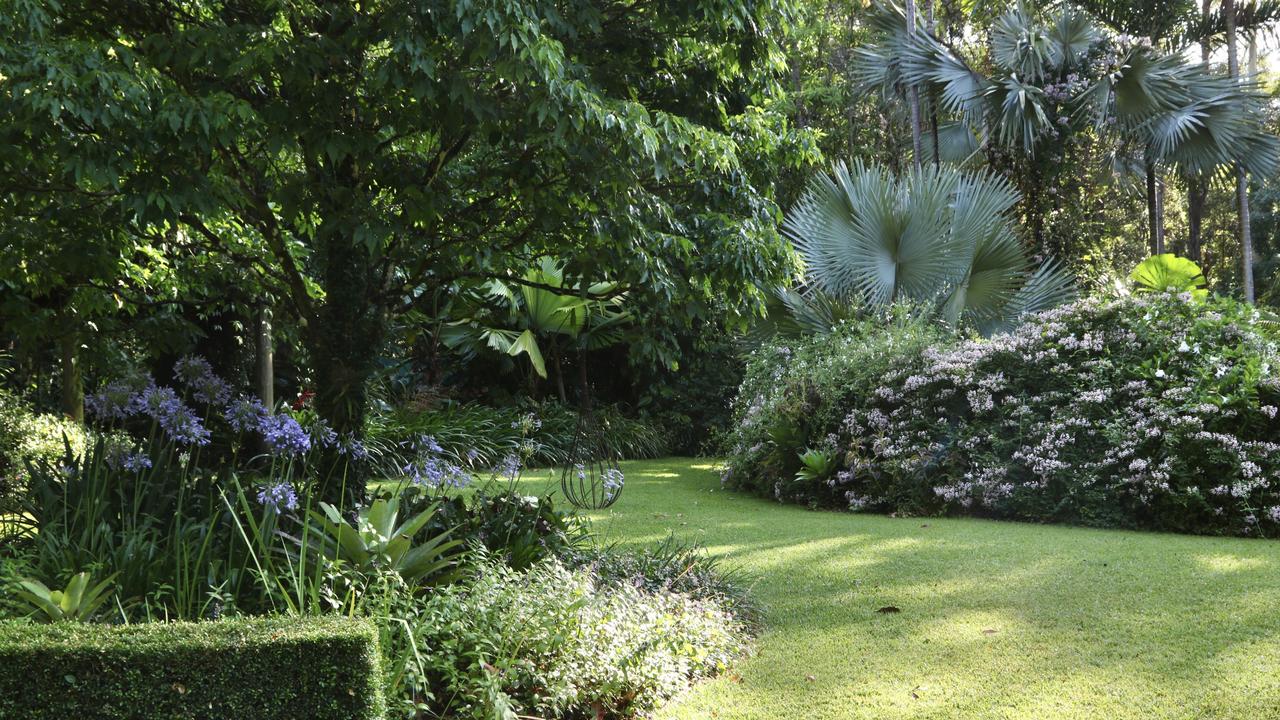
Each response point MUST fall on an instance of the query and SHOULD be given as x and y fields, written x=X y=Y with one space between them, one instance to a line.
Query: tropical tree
x=544 y=314
x=934 y=235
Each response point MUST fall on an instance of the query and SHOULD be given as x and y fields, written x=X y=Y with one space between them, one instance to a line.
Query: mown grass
x=995 y=620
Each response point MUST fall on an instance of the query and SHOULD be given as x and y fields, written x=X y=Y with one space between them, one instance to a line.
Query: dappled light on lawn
x=995 y=619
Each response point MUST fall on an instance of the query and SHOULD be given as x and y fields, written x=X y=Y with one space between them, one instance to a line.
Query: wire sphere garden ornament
x=591 y=479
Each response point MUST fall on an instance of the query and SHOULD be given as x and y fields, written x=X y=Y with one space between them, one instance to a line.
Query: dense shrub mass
x=26 y=437
x=542 y=434
x=267 y=668
x=1154 y=411
x=796 y=394
x=551 y=641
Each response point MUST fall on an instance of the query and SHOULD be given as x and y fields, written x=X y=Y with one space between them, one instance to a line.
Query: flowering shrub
x=1154 y=411
x=795 y=395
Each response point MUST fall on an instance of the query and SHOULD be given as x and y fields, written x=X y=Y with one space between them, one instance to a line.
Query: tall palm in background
x=1049 y=74
x=1176 y=25
x=935 y=235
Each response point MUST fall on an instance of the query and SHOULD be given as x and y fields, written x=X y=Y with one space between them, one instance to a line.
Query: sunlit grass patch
x=993 y=620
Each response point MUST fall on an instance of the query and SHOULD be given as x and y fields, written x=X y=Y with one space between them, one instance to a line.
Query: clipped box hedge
x=261 y=668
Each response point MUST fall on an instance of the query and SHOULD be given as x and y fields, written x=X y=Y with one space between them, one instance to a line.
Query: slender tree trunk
x=72 y=379
x=1242 y=177
x=931 y=28
x=1198 y=184
x=1197 y=197
x=913 y=94
x=1155 y=225
x=555 y=358
x=264 y=361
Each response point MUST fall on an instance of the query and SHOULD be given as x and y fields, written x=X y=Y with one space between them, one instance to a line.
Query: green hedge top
x=262 y=668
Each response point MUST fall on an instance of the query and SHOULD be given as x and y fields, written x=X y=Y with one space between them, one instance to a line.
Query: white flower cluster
x=1147 y=408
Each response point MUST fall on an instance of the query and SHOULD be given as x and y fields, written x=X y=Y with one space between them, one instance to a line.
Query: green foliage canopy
x=372 y=152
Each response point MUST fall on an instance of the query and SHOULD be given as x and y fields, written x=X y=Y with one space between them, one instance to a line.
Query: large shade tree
x=377 y=151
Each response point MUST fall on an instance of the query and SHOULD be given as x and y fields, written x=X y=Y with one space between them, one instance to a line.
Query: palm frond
x=936 y=235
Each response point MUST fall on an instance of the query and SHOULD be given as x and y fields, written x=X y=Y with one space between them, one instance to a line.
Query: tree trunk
x=555 y=358
x=346 y=337
x=72 y=379
x=913 y=94
x=931 y=28
x=264 y=364
x=1197 y=200
x=1242 y=177
x=1198 y=185
x=1155 y=225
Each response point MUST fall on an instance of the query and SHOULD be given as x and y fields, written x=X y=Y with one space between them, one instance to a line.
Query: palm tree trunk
x=1155 y=218
x=913 y=95
x=1242 y=177
x=1198 y=184
x=930 y=27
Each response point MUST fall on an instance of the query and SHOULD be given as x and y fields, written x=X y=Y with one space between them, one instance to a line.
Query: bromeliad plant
x=377 y=540
x=78 y=602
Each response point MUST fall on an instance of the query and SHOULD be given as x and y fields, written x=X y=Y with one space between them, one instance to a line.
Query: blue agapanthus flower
x=278 y=496
x=283 y=435
x=178 y=421
x=611 y=480
x=244 y=414
x=352 y=447
x=197 y=375
x=508 y=467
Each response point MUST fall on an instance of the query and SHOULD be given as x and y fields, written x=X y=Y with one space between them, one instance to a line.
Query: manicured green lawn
x=997 y=620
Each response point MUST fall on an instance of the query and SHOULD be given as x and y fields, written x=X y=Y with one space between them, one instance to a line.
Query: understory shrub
x=674 y=565
x=1153 y=411
x=541 y=434
x=555 y=642
x=265 y=668
x=517 y=529
x=29 y=437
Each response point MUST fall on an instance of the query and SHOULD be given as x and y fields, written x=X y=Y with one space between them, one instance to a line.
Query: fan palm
x=934 y=235
x=1065 y=73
